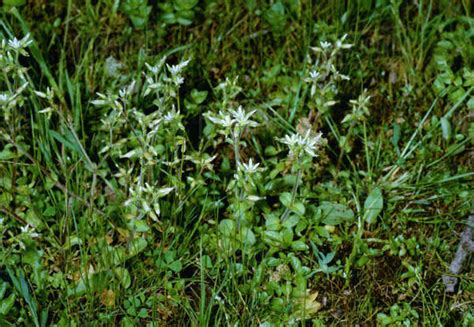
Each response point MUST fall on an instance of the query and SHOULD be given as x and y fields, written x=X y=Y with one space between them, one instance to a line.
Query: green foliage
x=178 y=11
x=254 y=163
x=138 y=11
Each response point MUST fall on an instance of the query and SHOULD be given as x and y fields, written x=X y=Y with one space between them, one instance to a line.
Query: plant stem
x=293 y=192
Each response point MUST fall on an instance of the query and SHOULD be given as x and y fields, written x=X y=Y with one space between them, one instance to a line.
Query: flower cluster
x=17 y=46
x=322 y=74
x=298 y=145
x=14 y=74
x=176 y=70
x=145 y=200
x=238 y=118
x=360 y=109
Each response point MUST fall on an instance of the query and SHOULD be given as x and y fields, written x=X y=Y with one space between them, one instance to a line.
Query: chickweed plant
x=248 y=177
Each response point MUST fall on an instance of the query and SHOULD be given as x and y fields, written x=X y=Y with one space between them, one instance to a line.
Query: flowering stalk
x=234 y=122
x=294 y=191
x=300 y=147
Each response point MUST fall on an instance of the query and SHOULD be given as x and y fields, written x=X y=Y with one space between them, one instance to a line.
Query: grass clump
x=216 y=163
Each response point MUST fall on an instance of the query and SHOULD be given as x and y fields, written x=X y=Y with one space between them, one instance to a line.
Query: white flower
x=179 y=80
x=325 y=45
x=45 y=95
x=250 y=167
x=341 y=76
x=35 y=235
x=341 y=45
x=204 y=161
x=222 y=119
x=126 y=91
x=255 y=198
x=154 y=69
x=28 y=229
x=113 y=67
x=4 y=98
x=242 y=118
x=291 y=140
x=171 y=115
x=314 y=74
x=164 y=191
x=176 y=69
x=40 y=94
x=16 y=44
x=309 y=143
x=362 y=100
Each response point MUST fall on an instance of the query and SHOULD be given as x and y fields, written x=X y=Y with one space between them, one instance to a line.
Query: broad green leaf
x=198 y=96
x=185 y=4
x=248 y=236
x=273 y=223
x=118 y=255
x=176 y=266
x=273 y=238
x=136 y=246
x=139 y=226
x=335 y=213
x=373 y=205
x=123 y=276
x=7 y=304
x=291 y=221
x=285 y=199
x=298 y=208
x=295 y=263
x=6 y=154
x=299 y=245
x=227 y=227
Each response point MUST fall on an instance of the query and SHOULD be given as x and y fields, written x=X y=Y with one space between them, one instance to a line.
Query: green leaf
x=285 y=199
x=335 y=213
x=291 y=221
x=118 y=255
x=227 y=227
x=176 y=266
x=276 y=17
x=446 y=128
x=298 y=208
x=14 y=2
x=7 y=304
x=198 y=96
x=66 y=142
x=272 y=238
x=139 y=226
x=123 y=276
x=287 y=236
x=6 y=154
x=273 y=223
x=299 y=245
x=373 y=205
x=185 y=4
x=136 y=246
x=248 y=236
x=50 y=211
x=3 y=288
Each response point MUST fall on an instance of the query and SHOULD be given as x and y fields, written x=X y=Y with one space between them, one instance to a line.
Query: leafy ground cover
x=241 y=163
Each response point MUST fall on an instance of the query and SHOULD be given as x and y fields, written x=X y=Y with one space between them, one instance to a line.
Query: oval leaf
x=373 y=205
